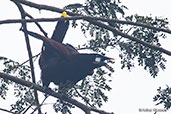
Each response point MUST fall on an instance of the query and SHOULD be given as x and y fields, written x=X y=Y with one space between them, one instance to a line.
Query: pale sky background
x=130 y=90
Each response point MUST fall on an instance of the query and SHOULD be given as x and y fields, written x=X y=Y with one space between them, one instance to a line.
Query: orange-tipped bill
x=111 y=58
x=108 y=67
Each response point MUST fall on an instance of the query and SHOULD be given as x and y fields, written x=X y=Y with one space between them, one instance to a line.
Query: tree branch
x=45 y=7
x=29 y=59
x=54 y=9
x=23 y=15
x=85 y=18
x=41 y=29
x=85 y=108
x=5 y=110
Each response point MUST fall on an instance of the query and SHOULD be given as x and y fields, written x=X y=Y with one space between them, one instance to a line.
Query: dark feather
x=60 y=30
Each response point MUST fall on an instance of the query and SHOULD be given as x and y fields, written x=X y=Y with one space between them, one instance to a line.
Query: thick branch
x=15 y=21
x=85 y=108
x=45 y=7
x=54 y=9
x=23 y=15
x=154 y=47
x=85 y=18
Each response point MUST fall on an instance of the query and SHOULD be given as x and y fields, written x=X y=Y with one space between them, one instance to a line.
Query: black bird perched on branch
x=67 y=65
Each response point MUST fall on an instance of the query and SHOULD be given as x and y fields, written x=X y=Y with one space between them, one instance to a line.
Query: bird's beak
x=108 y=67
x=111 y=59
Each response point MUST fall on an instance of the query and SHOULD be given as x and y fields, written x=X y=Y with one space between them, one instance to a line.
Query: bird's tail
x=36 y=35
x=60 y=48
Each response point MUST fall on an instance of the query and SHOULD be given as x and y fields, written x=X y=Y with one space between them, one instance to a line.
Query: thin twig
x=29 y=59
x=5 y=110
x=28 y=107
x=41 y=29
x=40 y=104
x=82 y=97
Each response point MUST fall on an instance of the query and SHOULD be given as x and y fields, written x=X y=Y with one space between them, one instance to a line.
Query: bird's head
x=99 y=61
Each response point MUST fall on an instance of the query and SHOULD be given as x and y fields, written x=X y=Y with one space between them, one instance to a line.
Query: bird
x=66 y=65
x=76 y=68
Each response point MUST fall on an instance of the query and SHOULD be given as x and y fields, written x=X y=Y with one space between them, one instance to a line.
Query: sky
x=131 y=90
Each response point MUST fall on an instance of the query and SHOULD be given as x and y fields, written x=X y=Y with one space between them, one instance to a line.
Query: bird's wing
x=59 y=48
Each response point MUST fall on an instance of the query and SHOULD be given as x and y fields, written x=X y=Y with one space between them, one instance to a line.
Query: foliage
x=129 y=50
x=101 y=40
x=25 y=98
x=151 y=59
x=24 y=94
x=62 y=106
x=94 y=91
x=163 y=97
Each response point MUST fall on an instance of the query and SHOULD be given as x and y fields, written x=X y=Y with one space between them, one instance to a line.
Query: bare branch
x=85 y=108
x=85 y=18
x=41 y=29
x=29 y=59
x=23 y=15
x=15 y=21
x=96 y=23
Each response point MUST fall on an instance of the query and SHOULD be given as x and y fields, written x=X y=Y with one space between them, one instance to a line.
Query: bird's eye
x=98 y=59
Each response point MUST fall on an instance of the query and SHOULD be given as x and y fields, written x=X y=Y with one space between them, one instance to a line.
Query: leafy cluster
x=12 y=67
x=163 y=97
x=94 y=92
x=129 y=51
x=62 y=106
x=25 y=99
x=149 y=58
x=24 y=94
x=98 y=8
